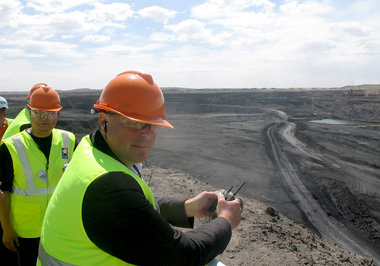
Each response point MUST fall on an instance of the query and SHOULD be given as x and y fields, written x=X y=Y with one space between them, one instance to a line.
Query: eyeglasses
x=44 y=114
x=135 y=125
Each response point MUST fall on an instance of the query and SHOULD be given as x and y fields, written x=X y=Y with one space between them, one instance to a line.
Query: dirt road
x=325 y=225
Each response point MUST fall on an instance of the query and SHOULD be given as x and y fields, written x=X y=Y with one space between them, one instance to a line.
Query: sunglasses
x=44 y=114
x=136 y=125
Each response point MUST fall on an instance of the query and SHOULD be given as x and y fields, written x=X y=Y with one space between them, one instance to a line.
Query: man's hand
x=1 y=192
x=10 y=239
x=230 y=210
x=199 y=205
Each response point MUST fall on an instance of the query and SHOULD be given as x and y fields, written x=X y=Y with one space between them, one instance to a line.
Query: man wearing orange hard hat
x=114 y=218
x=22 y=120
x=33 y=162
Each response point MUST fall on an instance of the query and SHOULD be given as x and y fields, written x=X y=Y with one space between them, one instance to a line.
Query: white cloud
x=15 y=52
x=194 y=31
x=189 y=27
x=363 y=10
x=9 y=10
x=301 y=29
x=109 y=13
x=218 y=43
x=306 y=8
x=36 y=26
x=68 y=36
x=351 y=28
x=214 y=9
x=90 y=20
x=55 y=6
x=95 y=38
x=162 y=37
x=317 y=47
x=45 y=47
x=157 y=13
x=255 y=25
x=208 y=11
x=47 y=36
x=119 y=50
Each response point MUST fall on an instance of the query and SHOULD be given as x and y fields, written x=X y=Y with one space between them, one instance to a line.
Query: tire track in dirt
x=328 y=227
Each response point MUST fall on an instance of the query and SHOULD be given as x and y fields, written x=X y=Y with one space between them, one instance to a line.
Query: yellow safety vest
x=63 y=238
x=35 y=180
x=21 y=119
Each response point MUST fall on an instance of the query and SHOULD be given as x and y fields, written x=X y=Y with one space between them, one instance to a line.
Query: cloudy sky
x=73 y=44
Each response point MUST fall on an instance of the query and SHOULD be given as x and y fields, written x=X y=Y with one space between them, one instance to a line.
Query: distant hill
x=182 y=89
x=363 y=87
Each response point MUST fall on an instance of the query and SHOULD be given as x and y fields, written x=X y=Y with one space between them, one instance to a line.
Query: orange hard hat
x=45 y=99
x=134 y=95
x=35 y=87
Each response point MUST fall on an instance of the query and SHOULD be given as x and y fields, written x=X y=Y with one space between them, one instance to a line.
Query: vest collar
x=100 y=144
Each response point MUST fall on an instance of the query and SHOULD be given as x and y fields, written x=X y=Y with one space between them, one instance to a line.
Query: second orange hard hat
x=45 y=99
x=35 y=87
x=134 y=95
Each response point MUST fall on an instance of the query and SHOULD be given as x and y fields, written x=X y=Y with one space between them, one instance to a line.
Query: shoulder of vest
x=23 y=113
x=22 y=135
x=19 y=134
x=108 y=159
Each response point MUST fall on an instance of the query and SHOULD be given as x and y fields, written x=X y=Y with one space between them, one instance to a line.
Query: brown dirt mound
x=264 y=236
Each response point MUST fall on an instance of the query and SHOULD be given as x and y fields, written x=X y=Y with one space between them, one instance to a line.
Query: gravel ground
x=264 y=236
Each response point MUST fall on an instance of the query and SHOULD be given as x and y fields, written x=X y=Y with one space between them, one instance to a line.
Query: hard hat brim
x=45 y=109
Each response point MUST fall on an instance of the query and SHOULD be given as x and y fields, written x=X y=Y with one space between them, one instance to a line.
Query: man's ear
x=101 y=117
x=105 y=126
x=102 y=122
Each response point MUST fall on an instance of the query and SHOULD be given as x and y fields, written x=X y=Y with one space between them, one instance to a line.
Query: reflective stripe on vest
x=49 y=260
x=31 y=188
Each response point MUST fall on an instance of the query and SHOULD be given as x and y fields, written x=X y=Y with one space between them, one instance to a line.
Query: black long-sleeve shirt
x=120 y=221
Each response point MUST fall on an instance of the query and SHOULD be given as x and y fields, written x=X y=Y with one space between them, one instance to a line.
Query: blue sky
x=73 y=44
